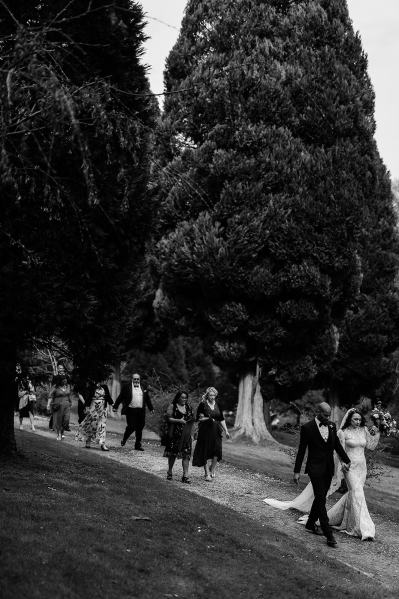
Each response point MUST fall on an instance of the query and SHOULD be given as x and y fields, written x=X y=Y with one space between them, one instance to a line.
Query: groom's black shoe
x=331 y=542
x=313 y=528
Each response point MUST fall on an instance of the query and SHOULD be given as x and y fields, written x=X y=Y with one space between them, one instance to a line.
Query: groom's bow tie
x=322 y=424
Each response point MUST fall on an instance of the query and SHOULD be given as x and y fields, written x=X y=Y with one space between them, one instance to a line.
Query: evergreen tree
x=366 y=363
x=75 y=123
x=270 y=172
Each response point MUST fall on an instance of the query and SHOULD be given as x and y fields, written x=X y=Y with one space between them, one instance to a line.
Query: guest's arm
x=50 y=398
x=226 y=432
x=118 y=400
x=108 y=398
x=148 y=400
x=201 y=416
x=169 y=413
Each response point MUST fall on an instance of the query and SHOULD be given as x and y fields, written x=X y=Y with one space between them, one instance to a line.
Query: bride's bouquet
x=384 y=422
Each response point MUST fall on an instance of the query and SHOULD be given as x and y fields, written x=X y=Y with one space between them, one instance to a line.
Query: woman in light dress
x=350 y=514
x=94 y=425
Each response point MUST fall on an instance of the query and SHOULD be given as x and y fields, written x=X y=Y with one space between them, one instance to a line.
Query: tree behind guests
x=269 y=174
x=75 y=121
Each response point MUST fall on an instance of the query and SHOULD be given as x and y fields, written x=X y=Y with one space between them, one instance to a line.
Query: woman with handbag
x=26 y=401
x=210 y=433
x=178 y=441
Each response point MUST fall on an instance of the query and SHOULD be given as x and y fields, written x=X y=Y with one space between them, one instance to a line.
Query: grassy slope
x=68 y=531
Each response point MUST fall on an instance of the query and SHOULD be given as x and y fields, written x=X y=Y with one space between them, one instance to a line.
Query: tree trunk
x=336 y=411
x=8 y=363
x=250 y=421
x=266 y=413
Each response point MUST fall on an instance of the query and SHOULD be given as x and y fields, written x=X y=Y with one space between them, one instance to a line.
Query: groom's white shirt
x=323 y=429
x=137 y=397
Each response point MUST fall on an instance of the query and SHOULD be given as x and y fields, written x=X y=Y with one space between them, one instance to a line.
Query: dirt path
x=242 y=488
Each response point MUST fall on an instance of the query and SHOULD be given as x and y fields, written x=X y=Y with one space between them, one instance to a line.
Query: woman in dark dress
x=210 y=432
x=59 y=403
x=179 y=442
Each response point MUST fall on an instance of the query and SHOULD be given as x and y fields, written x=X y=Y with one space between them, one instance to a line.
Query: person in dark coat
x=319 y=437
x=211 y=426
x=179 y=441
x=134 y=399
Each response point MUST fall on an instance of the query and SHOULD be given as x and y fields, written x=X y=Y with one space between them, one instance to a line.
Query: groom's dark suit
x=319 y=466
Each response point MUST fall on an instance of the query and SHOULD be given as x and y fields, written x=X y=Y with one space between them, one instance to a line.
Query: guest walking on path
x=210 y=433
x=61 y=372
x=94 y=425
x=59 y=403
x=26 y=401
x=134 y=399
x=179 y=442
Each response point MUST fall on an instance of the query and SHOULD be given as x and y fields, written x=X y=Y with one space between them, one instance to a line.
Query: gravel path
x=243 y=491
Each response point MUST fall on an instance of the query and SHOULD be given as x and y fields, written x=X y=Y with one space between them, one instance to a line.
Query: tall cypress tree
x=270 y=169
x=75 y=123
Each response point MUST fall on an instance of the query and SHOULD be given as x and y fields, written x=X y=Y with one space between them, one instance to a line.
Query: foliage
x=75 y=125
x=270 y=175
x=182 y=365
x=72 y=172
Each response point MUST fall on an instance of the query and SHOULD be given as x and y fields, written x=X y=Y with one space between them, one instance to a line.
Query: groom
x=319 y=437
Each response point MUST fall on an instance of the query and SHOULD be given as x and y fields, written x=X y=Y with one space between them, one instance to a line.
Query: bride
x=350 y=513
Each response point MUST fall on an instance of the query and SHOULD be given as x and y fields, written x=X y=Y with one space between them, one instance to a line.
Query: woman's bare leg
x=185 y=463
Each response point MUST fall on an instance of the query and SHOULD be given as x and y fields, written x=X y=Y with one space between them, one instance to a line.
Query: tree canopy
x=75 y=128
x=271 y=184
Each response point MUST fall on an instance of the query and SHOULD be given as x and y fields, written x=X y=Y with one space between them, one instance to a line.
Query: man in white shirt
x=134 y=399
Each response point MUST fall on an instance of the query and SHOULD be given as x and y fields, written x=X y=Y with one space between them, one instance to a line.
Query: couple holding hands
x=322 y=440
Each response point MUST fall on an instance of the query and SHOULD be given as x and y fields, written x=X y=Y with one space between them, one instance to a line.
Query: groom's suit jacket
x=320 y=460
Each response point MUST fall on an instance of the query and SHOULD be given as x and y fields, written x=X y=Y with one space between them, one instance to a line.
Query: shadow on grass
x=72 y=527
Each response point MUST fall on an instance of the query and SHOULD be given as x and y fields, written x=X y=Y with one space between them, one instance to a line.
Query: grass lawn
x=69 y=529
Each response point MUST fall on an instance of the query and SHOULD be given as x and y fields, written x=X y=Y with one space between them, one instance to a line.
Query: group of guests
x=92 y=411
x=211 y=426
x=135 y=398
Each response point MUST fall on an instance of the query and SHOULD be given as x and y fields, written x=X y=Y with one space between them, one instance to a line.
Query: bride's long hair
x=348 y=417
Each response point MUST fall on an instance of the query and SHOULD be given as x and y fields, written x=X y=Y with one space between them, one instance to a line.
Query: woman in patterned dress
x=94 y=424
x=210 y=432
x=178 y=445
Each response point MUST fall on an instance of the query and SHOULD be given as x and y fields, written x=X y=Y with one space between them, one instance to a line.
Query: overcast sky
x=378 y=24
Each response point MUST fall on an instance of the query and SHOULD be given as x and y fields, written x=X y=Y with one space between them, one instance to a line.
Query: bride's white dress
x=350 y=513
